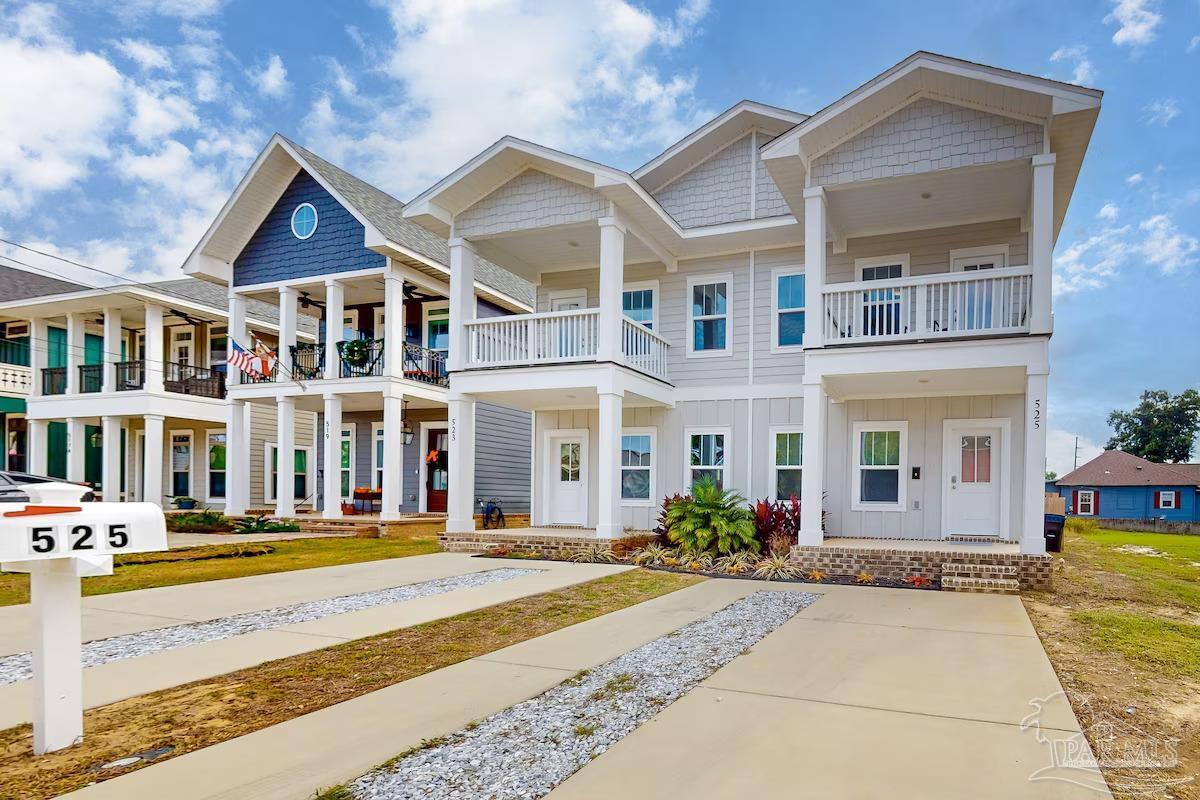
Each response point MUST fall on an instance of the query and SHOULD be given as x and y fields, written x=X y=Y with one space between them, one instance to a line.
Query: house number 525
x=1037 y=414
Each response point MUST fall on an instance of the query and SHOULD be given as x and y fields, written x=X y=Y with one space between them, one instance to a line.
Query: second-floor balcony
x=360 y=358
x=131 y=376
x=993 y=302
x=560 y=337
x=14 y=379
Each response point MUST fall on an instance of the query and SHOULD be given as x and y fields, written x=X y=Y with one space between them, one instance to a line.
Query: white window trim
x=567 y=294
x=12 y=416
x=726 y=471
x=1091 y=500
x=652 y=500
x=774 y=493
x=978 y=253
x=292 y=221
x=208 y=498
x=269 y=485
x=376 y=430
x=350 y=312
x=690 y=333
x=776 y=274
x=190 y=343
x=638 y=286
x=378 y=321
x=423 y=428
x=436 y=305
x=353 y=428
x=859 y=428
x=191 y=462
x=880 y=261
x=1162 y=500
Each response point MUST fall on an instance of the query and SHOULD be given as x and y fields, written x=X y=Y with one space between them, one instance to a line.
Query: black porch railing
x=361 y=358
x=247 y=377
x=425 y=366
x=91 y=377
x=196 y=381
x=308 y=361
x=131 y=375
x=54 y=380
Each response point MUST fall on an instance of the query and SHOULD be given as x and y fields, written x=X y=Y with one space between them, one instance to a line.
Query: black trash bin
x=1054 y=532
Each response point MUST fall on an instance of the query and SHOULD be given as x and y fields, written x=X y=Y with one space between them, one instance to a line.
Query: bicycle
x=493 y=514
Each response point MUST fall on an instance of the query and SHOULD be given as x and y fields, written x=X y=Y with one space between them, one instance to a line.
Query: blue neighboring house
x=1119 y=485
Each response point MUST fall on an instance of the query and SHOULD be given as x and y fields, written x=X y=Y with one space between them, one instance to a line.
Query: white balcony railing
x=558 y=337
x=14 y=379
x=949 y=305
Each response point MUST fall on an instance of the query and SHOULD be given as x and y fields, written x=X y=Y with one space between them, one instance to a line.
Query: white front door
x=567 y=480
x=973 y=473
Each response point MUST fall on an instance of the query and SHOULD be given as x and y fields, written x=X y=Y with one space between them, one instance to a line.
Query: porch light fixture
x=406 y=429
x=96 y=439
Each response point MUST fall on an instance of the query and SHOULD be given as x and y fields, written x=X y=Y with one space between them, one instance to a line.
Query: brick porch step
x=955 y=583
x=963 y=570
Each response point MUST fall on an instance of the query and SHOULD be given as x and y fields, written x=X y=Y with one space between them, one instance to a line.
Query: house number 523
x=1037 y=414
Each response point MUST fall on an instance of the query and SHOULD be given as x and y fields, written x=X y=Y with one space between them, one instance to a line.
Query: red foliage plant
x=776 y=521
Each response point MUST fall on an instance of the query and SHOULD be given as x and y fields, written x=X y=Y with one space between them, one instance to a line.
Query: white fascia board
x=199 y=263
x=1029 y=352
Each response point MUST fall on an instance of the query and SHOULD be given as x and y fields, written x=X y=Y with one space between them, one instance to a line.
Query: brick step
x=966 y=537
x=955 y=583
x=962 y=570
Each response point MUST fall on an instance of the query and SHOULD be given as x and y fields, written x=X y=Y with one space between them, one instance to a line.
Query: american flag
x=246 y=361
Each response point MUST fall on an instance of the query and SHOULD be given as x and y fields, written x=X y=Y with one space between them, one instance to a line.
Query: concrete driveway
x=866 y=693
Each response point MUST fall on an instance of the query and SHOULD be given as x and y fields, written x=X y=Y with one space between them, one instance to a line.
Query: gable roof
x=386 y=230
x=19 y=284
x=1118 y=468
x=217 y=297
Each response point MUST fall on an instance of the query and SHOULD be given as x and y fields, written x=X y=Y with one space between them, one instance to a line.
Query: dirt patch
x=200 y=714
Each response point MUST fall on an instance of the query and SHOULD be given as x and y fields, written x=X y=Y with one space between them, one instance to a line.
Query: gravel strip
x=526 y=750
x=19 y=667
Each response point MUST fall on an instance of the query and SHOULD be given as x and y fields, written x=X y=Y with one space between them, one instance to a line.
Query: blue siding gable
x=275 y=254
x=1137 y=502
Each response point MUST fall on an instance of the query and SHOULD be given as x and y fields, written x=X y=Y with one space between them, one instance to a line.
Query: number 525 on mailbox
x=90 y=529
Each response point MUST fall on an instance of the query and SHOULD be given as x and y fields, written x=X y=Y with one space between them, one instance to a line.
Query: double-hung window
x=1167 y=499
x=637 y=303
x=787 y=462
x=216 y=464
x=299 y=472
x=637 y=467
x=181 y=464
x=880 y=456
x=346 y=462
x=1085 y=502
x=706 y=456
x=787 y=313
x=710 y=299
x=377 y=455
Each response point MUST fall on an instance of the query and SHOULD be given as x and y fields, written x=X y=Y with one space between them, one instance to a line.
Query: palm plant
x=711 y=519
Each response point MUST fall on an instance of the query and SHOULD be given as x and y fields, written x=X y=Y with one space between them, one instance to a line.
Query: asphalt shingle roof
x=17 y=284
x=1118 y=468
x=386 y=213
x=210 y=294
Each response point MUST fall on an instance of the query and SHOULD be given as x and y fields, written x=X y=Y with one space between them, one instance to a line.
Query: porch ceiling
x=565 y=247
x=931 y=383
x=569 y=398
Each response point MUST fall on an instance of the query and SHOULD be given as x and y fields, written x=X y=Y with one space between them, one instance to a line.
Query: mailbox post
x=58 y=543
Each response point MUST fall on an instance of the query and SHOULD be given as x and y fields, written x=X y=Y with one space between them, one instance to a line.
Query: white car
x=21 y=487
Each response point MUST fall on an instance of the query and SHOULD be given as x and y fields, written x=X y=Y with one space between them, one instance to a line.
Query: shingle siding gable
x=532 y=199
x=275 y=254
x=713 y=192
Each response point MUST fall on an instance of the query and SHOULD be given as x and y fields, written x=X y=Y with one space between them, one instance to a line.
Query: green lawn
x=287 y=555
x=1170 y=649
x=1169 y=579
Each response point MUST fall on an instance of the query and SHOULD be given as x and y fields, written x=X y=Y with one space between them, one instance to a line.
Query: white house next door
x=566 y=500
x=974 y=473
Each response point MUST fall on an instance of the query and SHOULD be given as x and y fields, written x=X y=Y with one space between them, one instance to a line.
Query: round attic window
x=304 y=221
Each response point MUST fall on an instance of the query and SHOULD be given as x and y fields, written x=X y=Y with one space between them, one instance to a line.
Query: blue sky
x=123 y=132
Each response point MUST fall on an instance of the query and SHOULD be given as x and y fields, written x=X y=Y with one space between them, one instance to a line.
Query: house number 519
x=1037 y=414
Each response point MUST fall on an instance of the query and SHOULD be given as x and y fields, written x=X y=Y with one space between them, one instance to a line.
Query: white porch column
x=462 y=307
x=1033 y=539
x=237 y=459
x=1041 y=243
x=392 y=490
x=152 y=467
x=608 y=462
x=393 y=325
x=461 y=495
x=335 y=312
x=814 y=266
x=39 y=348
x=75 y=325
x=812 y=480
x=110 y=453
x=612 y=284
x=332 y=443
x=155 y=352
x=76 y=433
x=237 y=333
x=112 y=347
x=288 y=299
x=285 y=442
x=36 y=443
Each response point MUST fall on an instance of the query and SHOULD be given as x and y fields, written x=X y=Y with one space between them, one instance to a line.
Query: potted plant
x=184 y=503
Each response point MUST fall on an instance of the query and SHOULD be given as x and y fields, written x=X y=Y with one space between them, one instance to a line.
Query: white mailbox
x=58 y=543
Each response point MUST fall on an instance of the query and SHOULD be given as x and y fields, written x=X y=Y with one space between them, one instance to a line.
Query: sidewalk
x=110 y=615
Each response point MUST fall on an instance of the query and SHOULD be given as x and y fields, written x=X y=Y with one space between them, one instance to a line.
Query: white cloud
x=575 y=76
x=157 y=115
x=1161 y=112
x=1165 y=246
x=146 y=55
x=1135 y=179
x=1108 y=211
x=1193 y=44
x=181 y=9
x=1061 y=452
x=57 y=118
x=1138 y=21
x=206 y=86
x=271 y=80
x=1084 y=71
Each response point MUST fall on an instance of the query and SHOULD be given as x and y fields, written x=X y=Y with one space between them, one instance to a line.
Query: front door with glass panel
x=565 y=336
x=568 y=480
x=973 y=476
x=437 y=469
x=881 y=307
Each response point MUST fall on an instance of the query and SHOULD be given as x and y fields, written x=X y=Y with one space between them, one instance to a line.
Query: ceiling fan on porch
x=307 y=302
x=412 y=293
